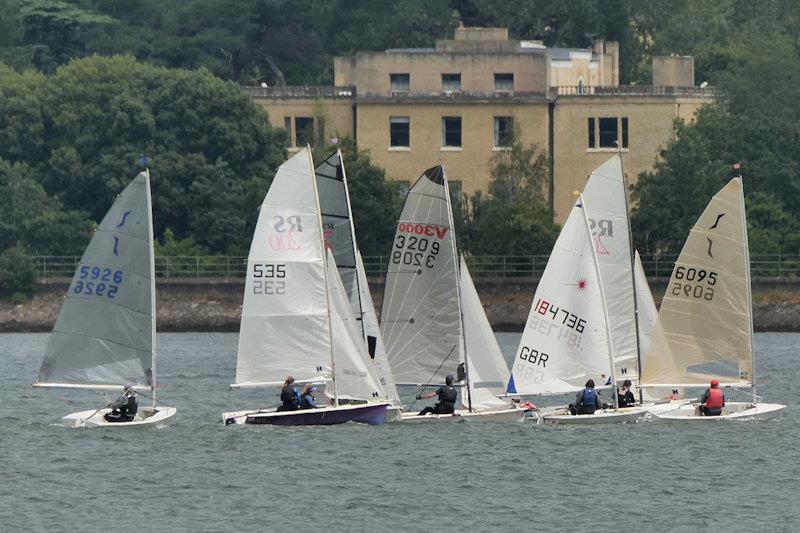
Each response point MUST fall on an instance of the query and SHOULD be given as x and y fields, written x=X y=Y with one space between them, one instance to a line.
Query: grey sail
x=104 y=334
x=420 y=318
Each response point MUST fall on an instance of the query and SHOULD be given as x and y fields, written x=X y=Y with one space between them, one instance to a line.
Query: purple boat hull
x=366 y=414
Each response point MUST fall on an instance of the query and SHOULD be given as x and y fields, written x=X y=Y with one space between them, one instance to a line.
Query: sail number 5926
x=267 y=278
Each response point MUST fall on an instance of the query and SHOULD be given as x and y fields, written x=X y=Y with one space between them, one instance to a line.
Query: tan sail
x=704 y=329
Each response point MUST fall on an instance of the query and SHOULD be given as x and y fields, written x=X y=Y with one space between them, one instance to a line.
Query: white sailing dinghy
x=105 y=334
x=339 y=235
x=297 y=317
x=567 y=339
x=432 y=320
x=704 y=329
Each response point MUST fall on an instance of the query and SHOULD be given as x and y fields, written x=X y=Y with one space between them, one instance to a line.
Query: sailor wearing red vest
x=712 y=401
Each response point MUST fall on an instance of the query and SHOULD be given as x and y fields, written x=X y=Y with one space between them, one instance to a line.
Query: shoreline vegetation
x=215 y=304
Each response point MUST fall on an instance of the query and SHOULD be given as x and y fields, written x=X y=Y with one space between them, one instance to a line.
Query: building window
x=451 y=83
x=610 y=131
x=504 y=82
x=287 y=126
x=400 y=83
x=451 y=132
x=303 y=131
x=399 y=131
x=503 y=131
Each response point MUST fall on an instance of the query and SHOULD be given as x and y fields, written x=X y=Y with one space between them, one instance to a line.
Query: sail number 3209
x=268 y=278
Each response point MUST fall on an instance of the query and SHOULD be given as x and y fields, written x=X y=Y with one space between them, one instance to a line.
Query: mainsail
x=485 y=363
x=704 y=328
x=285 y=326
x=339 y=234
x=105 y=332
x=565 y=341
x=606 y=205
x=420 y=319
x=647 y=307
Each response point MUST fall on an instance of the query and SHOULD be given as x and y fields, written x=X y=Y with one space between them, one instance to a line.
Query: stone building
x=460 y=101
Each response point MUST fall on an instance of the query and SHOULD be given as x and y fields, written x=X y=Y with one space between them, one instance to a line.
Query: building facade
x=460 y=101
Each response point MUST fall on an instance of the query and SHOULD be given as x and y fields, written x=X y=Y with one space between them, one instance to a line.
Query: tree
x=519 y=173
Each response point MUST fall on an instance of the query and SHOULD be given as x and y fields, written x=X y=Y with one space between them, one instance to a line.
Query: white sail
x=647 y=307
x=486 y=366
x=606 y=205
x=105 y=332
x=354 y=373
x=372 y=332
x=339 y=234
x=420 y=319
x=284 y=327
x=704 y=328
x=565 y=338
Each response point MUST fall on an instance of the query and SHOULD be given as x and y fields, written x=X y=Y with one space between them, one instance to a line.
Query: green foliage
x=81 y=130
x=17 y=272
x=504 y=227
x=172 y=247
x=519 y=173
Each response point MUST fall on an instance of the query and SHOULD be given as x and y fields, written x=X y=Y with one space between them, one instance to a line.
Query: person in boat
x=712 y=400
x=447 y=398
x=307 y=397
x=124 y=408
x=290 y=397
x=587 y=401
x=625 y=397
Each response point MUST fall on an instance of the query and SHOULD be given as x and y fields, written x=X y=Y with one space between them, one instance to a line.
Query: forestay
x=105 y=332
x=420 y=319
x=704 y=328
x=284 y=327
x=606 y=204
x=485 y=363
x=354 y=374
x=564 y=341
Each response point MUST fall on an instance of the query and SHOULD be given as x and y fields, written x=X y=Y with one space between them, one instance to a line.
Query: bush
x=17 y=273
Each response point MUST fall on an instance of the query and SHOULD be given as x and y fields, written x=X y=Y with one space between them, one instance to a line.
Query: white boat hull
x=146 y=416
x=601 y=416
x=731 y=411
x=504 y=415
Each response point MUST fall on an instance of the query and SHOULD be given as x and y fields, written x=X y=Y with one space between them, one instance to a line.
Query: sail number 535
x=268 y=278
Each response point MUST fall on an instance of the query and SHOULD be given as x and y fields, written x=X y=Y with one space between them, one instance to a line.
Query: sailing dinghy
x=704 y=329
x=297 y=317
x=432 y=320
x=105 y=334
x=567 y=339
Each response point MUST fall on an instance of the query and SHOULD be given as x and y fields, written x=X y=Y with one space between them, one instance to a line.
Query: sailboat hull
x=601 y=416
x=504 y=415
x=731 y=411
x=147 y=416
x=374 y=414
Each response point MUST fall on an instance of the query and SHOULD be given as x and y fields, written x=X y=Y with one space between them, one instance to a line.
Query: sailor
x=712 y=401
x=447 y=398
x=625 y=397
x=307 y=397
x=124 y=408
x=290 y=398
x=587 y=401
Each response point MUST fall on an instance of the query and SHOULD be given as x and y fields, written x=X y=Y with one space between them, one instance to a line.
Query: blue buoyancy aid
x=589 y=397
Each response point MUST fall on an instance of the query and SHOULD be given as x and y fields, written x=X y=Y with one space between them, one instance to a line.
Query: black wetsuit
x=290 y=399
x=124 y=409
x=447 y=402
x=626 y=400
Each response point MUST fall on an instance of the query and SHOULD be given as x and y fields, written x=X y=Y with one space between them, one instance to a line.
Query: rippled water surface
x=197 y=475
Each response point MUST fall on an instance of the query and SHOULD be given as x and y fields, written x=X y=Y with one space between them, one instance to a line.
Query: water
x=196 y=474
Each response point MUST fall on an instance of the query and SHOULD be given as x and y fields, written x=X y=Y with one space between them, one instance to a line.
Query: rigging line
x=433 y=375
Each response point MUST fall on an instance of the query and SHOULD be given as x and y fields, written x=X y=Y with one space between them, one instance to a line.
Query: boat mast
x=152 y=286
x=325 y=270
x=605 y=308
x=353 y=242
x=457 y=265
x=633 y=279
x=749 y=289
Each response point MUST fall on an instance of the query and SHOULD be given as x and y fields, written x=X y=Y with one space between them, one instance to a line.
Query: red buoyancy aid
x=715 y=399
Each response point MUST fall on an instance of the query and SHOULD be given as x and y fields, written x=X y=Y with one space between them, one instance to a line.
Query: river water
x=195 y=474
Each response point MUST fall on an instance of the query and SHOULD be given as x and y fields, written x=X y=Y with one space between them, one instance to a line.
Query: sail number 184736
x=268 y=278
